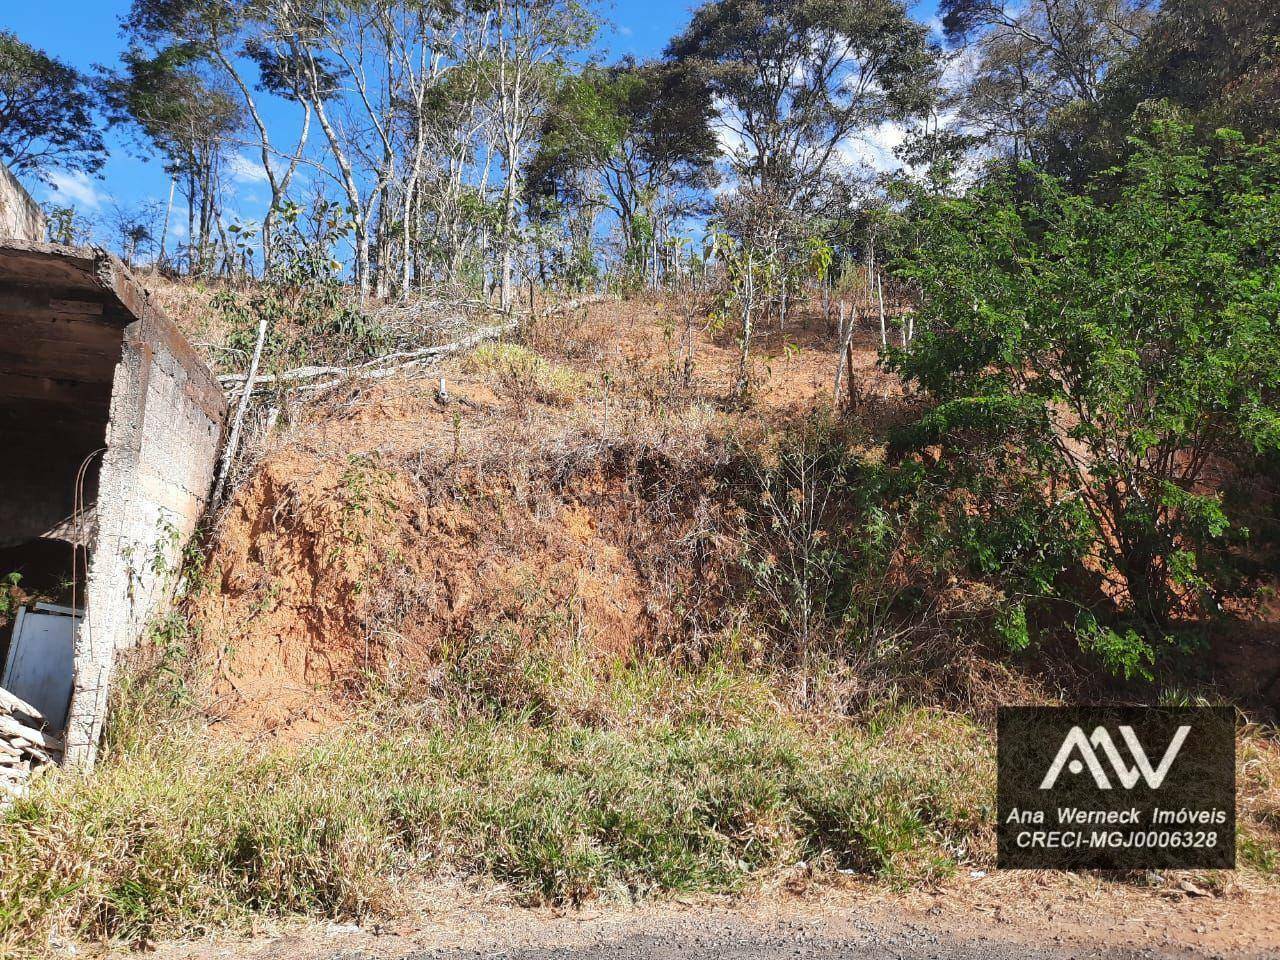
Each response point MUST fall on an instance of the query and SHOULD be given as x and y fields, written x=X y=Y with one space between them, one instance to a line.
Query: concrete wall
x=91 y=373
x=20 y=217
x=162 y=446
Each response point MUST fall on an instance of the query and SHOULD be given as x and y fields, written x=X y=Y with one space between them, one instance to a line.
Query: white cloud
x=244 y=170
x=71 y=188
x=875 y=147
x=960 y=67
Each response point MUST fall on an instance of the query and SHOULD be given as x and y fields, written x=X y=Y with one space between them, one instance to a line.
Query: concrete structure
x=110 y=426
x=20 y=217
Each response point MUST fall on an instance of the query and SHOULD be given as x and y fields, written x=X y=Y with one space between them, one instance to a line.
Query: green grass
x=177 y=836
x=524 y=374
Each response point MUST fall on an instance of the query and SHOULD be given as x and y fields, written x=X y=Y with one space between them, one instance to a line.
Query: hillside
x=518 y=619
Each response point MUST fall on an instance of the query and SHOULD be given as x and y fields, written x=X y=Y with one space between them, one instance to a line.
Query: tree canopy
x=46 y=112
x=794 y=79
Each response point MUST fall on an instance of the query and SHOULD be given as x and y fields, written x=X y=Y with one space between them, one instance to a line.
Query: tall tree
x=1212 y=64
x=637 y=138
x=227 y=34
x=190 y=120
x=666 y=156
x=794 y=79
x=1218 y=60
x=1035 y=60
x=531 y=41
x=46 y=112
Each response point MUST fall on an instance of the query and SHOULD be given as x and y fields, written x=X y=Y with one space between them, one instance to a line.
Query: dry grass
x=695 y=782
x=521 y=376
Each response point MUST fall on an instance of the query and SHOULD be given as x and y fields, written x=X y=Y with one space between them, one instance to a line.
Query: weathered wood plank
x=61 y=327
x=26 y=266
x=15 y=704
x=58 y=362
x=46 y=299
x=10 y=727
x=61 y=392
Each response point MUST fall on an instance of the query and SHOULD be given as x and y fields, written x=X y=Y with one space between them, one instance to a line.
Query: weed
x=523 y=376
x=173 y=835
x=8 y=594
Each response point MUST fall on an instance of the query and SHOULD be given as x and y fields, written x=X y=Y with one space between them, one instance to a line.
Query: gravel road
x=848 y=939
x=992 y=918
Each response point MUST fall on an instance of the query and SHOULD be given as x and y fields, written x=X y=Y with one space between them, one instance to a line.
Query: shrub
x=523 y=375
x=1095 y=361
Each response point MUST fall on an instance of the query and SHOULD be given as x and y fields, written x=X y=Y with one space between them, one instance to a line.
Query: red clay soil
x=315 y=590
x=384 y=524
x=345 y=556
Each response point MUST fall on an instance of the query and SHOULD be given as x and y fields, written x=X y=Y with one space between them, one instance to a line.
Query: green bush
x=1096 y=361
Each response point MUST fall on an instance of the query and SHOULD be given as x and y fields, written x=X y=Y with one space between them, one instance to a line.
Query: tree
x=190 y=120
x=215 y=32
x=1217 y=59
x=796 y=78
x=1215 y=62
x=579 y=133
x=46 y=113
x=1036 y=60
x=1094 y=361
x=666 y=156
x=525 y=60
x=636 y=138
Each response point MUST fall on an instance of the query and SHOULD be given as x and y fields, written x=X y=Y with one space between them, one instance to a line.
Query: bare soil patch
x=1016 y=915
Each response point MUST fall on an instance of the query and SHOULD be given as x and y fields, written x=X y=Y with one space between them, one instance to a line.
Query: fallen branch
x=392 y=363
x=376 y=367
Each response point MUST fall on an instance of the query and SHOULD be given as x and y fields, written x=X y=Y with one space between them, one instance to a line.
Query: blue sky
x=86 y=32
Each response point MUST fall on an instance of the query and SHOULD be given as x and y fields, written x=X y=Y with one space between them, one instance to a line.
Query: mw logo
x=1100 y=739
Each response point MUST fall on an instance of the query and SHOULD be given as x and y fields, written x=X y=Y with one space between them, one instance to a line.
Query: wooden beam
x=22 y=298
x=57 y=361
x=40 y=264
x=50 y=390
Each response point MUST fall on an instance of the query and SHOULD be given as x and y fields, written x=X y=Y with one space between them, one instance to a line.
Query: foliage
x=1036 y=62
x=1093 y=361
x=523 y=375
x=46 y=112
x=1218 y=60
x=1213 y=63
x=8 y=594
x=66 y=225
x=799 y=76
